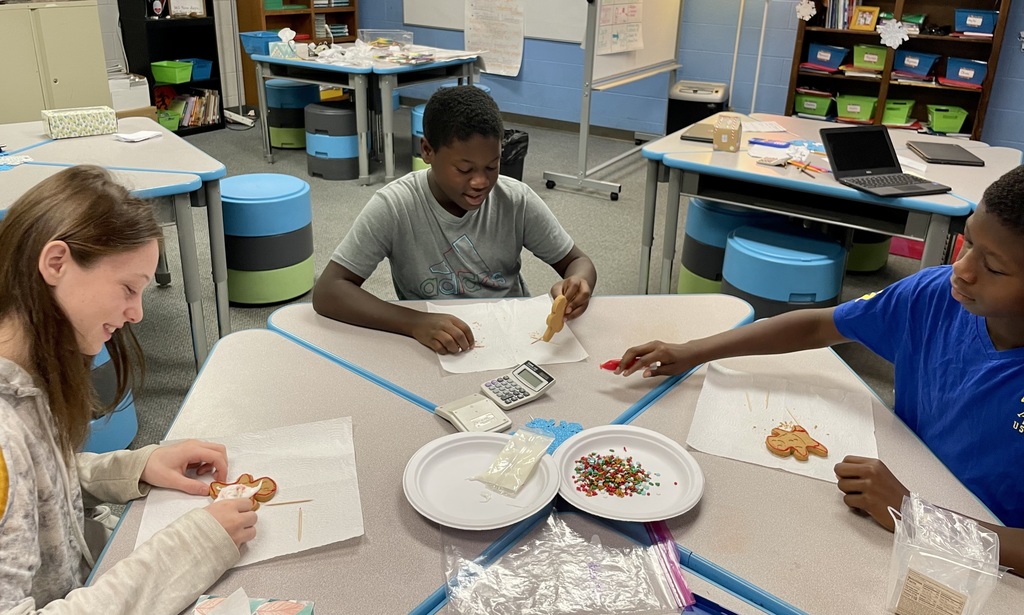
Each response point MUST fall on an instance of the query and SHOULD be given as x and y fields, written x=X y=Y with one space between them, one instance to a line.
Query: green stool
x=869 y=253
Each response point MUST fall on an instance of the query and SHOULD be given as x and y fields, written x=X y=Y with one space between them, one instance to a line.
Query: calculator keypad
x=506 y=389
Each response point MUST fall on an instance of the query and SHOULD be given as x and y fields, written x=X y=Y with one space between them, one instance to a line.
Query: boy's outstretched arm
x=872 y=488
x=338 y=295
x=789 y=332
x=579 y=277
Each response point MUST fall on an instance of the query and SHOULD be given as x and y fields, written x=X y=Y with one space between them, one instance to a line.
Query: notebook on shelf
x=944 y=153
x=863 y=157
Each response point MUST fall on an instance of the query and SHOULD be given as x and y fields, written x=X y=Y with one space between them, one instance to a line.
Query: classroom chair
x=116 y=430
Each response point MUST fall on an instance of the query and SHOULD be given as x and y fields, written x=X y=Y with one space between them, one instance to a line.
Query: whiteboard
x=556 y=20
x=661 y=23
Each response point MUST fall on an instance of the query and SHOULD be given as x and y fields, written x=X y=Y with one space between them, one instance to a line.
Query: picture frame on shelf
x=187 y=8
x=864 y=17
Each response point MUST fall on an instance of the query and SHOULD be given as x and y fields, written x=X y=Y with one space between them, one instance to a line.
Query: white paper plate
x=682 y=482
x=437 y=483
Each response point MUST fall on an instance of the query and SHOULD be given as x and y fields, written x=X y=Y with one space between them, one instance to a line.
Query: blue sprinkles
x=562 y=431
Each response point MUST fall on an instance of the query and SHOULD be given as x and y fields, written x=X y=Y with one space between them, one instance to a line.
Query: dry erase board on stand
x=659 y=31
x=555 y=20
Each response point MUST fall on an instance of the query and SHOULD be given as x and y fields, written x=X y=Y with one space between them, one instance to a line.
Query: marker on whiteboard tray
x=768 y=142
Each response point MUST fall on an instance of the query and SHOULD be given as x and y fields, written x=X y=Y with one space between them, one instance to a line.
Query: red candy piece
x=611 y=365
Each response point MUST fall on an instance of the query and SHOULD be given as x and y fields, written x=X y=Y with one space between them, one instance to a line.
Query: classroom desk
x=791 y=538
x=582 y=392
x=21 y=136
x=172 y=154
x=252 y=381
x=379 y=80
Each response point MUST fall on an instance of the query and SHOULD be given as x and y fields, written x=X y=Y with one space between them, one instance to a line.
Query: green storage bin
x=856 y=107
x=946 y=118
x=811 y=105
x=171 y=71
x=897 y=111
x=169 y=119
x=869 y=56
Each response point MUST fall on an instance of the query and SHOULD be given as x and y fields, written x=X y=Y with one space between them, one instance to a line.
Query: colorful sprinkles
x=612 y=475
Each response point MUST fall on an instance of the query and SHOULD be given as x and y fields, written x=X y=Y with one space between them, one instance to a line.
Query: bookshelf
x=886 y=86
x=308 y=17
x=149 y=40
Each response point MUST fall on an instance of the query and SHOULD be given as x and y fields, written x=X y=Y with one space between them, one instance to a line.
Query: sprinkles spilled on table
x=612 y=475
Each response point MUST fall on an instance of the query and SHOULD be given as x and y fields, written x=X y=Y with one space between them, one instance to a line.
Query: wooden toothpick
x=300 y=524
x=288 y=502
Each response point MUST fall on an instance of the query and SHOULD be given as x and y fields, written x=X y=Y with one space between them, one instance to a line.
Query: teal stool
x=268 y=237
x=417 y=135
x=779 y=271
x=116 y=430
x=286 y=105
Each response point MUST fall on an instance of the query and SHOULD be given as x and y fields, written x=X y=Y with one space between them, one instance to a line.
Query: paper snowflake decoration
x=893 y=33
x=805 y=9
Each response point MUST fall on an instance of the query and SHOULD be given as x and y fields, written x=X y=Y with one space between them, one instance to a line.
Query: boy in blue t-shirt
x=956 y=337
x=452 y=231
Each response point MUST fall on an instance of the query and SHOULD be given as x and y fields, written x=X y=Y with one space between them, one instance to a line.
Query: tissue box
x=258 y=606
x=79 y=122
x=727 y=134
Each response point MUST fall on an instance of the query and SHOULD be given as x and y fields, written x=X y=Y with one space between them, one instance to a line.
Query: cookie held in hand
x=556 y=319
x=797 y=443
x=265 y=489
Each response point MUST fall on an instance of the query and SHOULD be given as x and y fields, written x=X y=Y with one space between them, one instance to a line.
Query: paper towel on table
x=737 y=410
x=507 y=333
x=312 y=461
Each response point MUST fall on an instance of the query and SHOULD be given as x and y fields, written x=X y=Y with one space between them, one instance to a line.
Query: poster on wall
x=187 y=8
x=620 y=26
x=496 y=26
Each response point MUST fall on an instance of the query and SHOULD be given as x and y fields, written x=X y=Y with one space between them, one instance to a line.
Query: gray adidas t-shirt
x=435 y=255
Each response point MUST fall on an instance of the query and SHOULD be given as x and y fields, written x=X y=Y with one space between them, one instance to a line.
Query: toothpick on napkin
x=300 y=524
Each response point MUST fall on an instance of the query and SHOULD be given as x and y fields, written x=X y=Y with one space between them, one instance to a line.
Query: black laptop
x=944 y=153
x=863 y=157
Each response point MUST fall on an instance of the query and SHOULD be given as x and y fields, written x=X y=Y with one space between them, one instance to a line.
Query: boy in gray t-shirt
x=455 y=230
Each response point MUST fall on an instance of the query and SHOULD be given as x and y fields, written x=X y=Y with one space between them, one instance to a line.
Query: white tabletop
x=582 y=392
x=969 y=183
x=21 y=135
x=168 y=152
x=144 y=184
x=793 y=536
x=257 y=379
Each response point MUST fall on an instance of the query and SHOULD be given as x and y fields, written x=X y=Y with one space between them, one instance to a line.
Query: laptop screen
x=858 y=150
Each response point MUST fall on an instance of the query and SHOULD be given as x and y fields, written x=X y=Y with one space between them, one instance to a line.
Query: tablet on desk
x=703 y=132
x=944 y=153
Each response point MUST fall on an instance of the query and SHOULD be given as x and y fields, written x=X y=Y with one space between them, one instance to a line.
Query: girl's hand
x=168 y=465
x=237 y=519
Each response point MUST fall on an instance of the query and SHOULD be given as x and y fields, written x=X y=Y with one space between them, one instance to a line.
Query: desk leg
x=647 y=236
x=387 y=86
x=935 y=241
x=190 y=275
x=218 y=255
x=362 y=128
x=668 y=255
x=261 y=94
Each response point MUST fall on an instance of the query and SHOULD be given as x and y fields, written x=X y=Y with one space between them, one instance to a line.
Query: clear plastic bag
x=939 y=556
x=515 y=463
x=557 y=571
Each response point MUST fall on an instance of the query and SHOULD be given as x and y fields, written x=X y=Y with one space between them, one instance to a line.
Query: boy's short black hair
x=457 y=113
x=1005 y=199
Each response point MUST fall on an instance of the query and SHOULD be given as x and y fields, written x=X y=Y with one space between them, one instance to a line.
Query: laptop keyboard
x=884 y=181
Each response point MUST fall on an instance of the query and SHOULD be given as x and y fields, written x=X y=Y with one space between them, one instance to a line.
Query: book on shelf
x=856 y=71
x=900 y=76
x=964 y=85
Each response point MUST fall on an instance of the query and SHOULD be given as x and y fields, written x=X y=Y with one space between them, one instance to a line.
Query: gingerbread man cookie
x=797 y=443
x=257 y=490
x=556 y=319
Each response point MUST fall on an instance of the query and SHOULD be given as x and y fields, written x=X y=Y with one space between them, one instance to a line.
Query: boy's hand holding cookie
x=442 y=333
x=577 y=292
x=168 y=465
x=871 y=487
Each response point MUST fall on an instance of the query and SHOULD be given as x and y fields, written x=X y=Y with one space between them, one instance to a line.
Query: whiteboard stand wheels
x=615 y=196
x=550 y=184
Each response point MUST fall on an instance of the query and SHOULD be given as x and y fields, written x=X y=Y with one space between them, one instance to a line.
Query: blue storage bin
x=916 y=62
x=827 y=55
x=258 y=43
x=973 y=20
x=201 y=69
x=968 y=71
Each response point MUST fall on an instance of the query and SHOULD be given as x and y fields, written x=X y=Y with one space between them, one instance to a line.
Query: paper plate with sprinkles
x=628 y=473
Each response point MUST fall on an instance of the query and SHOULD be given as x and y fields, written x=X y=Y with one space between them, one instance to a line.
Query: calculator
x=523 y=384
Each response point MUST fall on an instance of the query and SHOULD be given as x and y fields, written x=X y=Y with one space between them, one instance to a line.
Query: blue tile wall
x=549 y=84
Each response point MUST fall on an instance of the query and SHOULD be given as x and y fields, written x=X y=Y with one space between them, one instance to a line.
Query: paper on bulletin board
x=506 y=334
x=497 y=26
x=312 y=461
x=737 y=410
x=620 y=26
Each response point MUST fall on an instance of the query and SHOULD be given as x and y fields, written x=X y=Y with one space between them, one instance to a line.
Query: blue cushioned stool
x=417 y=134
x=268 y=237
x=116 y=430
x=286 y=104
x=708 y=225
x=332 y=141
x=777 y=271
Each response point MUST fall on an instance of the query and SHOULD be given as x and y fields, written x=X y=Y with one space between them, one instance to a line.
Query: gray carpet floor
x=608 y=231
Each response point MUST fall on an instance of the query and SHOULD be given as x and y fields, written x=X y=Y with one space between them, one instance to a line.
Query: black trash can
x=513 y=153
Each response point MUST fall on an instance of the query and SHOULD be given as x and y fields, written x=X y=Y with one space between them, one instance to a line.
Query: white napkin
x=135 y=137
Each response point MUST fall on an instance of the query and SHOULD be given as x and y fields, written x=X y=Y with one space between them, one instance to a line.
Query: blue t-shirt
x=960 y=395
